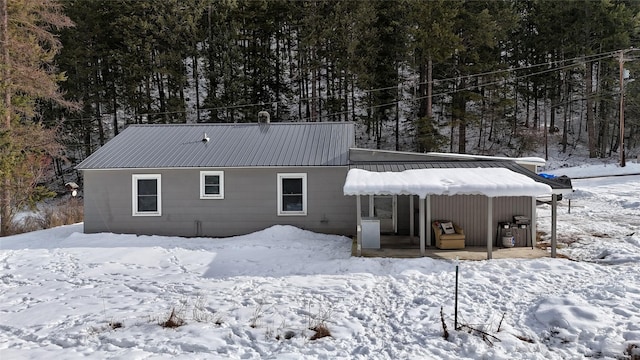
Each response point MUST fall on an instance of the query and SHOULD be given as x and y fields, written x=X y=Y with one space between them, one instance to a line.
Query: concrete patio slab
x=403 y=247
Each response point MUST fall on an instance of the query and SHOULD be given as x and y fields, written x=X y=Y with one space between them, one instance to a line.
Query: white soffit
x=491 y=182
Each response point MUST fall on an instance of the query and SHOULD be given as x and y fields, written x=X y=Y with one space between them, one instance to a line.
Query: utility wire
x=586 y=58
x=470 y=87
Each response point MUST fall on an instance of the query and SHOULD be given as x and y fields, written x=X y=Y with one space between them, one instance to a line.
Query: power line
x=585 y=58
x=497 y=82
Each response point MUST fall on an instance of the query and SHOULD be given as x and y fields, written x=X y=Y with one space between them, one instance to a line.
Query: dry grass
x=254 y=322
x=633 y=351
x=173 y=321
x=525 y=339
x=68 y=212
x=445 y=332
x=287 y=335
x=321 y=331
x=116 y=325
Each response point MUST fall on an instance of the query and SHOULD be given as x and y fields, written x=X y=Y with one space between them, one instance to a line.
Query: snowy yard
x=67 y=295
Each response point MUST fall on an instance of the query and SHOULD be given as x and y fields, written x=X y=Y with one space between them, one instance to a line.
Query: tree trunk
x=591 y=125
x=5 y=199
x=87 y=129
x=545 y=129
x=429 y=112
x=300 y=82
x=99 y=122
x=96 y=103
x=353 y=99
x=314 y=88
x=398 y=113
x=567 y=109
x=459 y=112
x=277 y=59
x=196 y=83
x=115 y=109
x=536 y=112
x=604 y=130
x=527 y=102
x=483 y=107
x=422 y=90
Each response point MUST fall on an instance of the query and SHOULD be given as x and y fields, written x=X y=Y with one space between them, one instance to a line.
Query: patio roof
x=491 y=182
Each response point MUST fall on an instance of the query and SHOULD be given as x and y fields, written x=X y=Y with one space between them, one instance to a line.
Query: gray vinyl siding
x=249 y=204
x=468 y=211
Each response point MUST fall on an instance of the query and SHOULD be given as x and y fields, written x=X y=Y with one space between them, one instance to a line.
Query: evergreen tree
x=26 y=74
x=434 y=41
x=483 y=27
x=500 y=67
x=380 y=54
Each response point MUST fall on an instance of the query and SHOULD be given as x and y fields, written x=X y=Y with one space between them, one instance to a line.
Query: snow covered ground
x=67 y=295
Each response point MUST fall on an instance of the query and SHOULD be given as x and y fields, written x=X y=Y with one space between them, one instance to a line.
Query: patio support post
x=554 y=216
x=422 y=218
x=371 y=211
x=359 y=226
x=489 y=228
x=428 y=227
x=534 y=220
x=411 y=218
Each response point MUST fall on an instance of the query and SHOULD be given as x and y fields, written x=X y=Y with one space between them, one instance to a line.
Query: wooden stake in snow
x=455 y=321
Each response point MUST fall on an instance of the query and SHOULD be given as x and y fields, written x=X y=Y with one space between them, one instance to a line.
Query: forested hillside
x=417 y=75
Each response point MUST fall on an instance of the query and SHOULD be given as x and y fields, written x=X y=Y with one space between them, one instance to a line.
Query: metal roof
x=390 y=166
x=488 y=181
x=229 y=145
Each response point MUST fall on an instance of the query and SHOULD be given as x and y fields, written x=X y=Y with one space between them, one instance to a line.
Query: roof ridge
x=244 y=124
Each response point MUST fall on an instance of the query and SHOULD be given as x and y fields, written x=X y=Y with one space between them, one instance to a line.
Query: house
x=220 y=179
x=230 y=179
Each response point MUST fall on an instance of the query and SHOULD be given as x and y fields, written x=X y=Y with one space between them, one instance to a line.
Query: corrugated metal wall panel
x=470 y=213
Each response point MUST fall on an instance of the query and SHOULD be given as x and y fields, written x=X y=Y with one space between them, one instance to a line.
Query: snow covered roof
x=521 y=160
x=359 y=154
x=492 y=182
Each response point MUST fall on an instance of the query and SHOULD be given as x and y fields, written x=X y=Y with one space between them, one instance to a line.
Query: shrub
x=173 y=321
x=67 y=212
x=321 y=331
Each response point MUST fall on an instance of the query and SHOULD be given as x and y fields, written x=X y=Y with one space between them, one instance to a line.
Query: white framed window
x=146 y=195
x=211 y=185
x=292 y=194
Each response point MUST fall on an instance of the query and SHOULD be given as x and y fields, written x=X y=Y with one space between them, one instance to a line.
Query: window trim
x=134 y=194
x=220 y=175
x=282 y=176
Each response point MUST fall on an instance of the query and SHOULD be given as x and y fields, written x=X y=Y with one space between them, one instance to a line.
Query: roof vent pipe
x=205 y=138
x=263 y=116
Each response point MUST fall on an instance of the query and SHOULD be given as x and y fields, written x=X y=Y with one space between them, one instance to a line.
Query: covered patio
x=395 y=246
x=425 y=183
